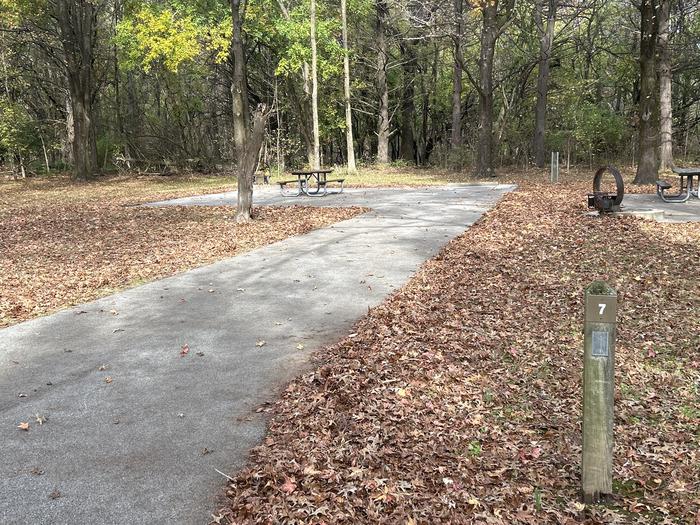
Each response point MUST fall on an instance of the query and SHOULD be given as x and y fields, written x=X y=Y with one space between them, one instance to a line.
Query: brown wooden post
x=598 y=390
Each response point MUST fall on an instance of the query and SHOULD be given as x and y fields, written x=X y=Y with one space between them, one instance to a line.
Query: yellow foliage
x=159 y=36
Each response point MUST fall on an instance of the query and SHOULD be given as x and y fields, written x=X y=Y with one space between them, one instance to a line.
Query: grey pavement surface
x=652 y=207
x=144 y=447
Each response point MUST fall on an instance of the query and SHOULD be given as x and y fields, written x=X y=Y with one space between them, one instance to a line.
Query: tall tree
x=546 y=32
x=408 y=106
x=77 y=24
x=647 y=169
x=314 y=89
x=665 y=81
x=382 y=84
x=239 y=80
x=456 y=133
x=247 y=145
x=346 y=86
x=489 y=35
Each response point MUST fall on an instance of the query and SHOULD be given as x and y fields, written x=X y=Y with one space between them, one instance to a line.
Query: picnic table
x=312 y=183
x=687 y=175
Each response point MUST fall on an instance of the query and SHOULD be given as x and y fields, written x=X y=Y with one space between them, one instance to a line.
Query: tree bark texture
x=456 y=133
x=546 y=40
x=346 y=84
x=239 y=98
x=408 y=107
x=382 y=85
x=314 y=90
x=665 y=80
x=647 y=169
x=239 y=83
x=248 y=163
x=77 y=21
x=489 y=35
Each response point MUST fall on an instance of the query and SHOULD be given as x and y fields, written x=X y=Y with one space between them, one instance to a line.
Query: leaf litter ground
x=63 y=244
x=458 y=400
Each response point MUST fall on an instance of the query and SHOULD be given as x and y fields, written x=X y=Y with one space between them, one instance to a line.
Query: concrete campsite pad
x=134 y=426
x=652 y=207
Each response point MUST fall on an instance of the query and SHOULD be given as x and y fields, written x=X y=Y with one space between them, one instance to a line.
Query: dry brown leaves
x=459 y=399
x=63 y=244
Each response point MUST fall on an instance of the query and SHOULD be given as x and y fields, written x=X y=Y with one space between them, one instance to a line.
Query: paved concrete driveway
x=134 y=430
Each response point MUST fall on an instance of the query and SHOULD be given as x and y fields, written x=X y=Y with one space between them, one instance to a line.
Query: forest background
x=98 y=85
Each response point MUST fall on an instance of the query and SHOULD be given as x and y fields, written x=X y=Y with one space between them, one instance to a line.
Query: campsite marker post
x=598 y=390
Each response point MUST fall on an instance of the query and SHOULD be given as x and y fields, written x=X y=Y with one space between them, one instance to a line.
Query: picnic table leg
x=317 y=192
x=683 y=195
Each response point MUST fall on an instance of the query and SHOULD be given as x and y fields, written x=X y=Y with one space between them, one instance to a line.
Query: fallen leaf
x=288 y=486
x=23 y=425
x=108 y=379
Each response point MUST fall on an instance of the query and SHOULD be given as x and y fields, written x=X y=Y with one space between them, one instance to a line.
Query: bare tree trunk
x=70 y=134
x=423 y=135
x=246 y=158
x=12 y=154
x=382 y=86
x=314 y=89
x=248 y=163
x=408 y=107
x=547 y=37
x=456 y=135
x=278 y=118
x=77 y=21
x=489 y=35
x=46 y=155
x=239 y=83
x=117 y=15
x=665 y=77
x=239 y=100
x=348 y=108
x=647 y=169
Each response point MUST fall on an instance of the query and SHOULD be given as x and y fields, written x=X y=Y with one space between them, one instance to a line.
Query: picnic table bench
x=312 y=183
x=686 y=179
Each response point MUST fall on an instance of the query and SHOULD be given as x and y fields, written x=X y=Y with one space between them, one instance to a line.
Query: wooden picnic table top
x=311 y=172
x=686 y=171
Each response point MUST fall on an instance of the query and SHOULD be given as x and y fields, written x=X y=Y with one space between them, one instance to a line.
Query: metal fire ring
x=620 y=193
